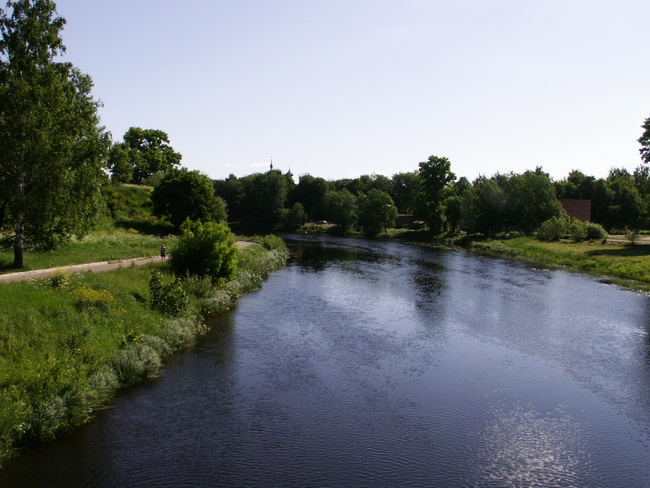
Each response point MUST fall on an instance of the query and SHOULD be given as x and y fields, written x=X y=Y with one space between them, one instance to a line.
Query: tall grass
x=69 y=341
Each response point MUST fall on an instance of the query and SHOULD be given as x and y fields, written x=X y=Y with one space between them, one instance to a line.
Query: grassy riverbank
x=621 y=263
x=67 y=343
x=98 y=246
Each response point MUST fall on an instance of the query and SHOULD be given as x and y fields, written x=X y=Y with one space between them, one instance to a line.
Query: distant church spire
x=271 y=163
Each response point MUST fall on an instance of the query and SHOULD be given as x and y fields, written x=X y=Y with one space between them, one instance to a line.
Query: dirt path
x=643 y=240
x=95 y=267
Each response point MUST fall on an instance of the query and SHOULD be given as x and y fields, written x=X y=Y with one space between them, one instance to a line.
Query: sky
x=344 y=88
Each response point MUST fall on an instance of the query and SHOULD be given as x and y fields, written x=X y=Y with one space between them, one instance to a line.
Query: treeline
x=433 y=195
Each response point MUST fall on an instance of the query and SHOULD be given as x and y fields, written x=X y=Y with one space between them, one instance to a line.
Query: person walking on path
x=163 y=252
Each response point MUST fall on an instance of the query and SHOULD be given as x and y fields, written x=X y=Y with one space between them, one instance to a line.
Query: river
x=376 y=364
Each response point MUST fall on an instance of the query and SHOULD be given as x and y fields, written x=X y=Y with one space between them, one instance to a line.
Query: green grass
x=69 y=341
x=130 y=208
x=98 y=246
x=625 y=264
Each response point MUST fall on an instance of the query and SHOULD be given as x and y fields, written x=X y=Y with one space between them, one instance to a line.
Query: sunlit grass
x=98 y=246
x=69 y=341
x=615 y=260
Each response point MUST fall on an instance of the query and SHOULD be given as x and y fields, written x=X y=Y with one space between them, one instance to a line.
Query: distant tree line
x=433 y=195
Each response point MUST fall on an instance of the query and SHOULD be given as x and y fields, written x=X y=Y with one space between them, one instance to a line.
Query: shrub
x=87 y=298
x=198 y=286
x=136 y=362
x=632 y=236
x=169 y=298
x=292 y=219
x=595 y=232
x=270 y=242
x=157 y=344
x=221 y=301
x=552 y=229
x=181 y=332
x=205 y=249
x=59 y=279
x=103 y=382
x=577 y=230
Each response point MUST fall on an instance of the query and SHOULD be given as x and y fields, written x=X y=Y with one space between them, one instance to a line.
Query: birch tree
x=51 y=146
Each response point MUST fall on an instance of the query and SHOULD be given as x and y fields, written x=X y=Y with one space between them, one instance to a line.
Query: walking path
x=78 y=268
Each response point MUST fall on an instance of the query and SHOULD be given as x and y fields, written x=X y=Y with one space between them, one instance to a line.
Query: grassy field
x=98 y=246
x=622 y=263
x=69 y=341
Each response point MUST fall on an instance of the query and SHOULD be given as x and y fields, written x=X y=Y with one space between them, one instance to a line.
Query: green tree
x=183 y=194
x=293 y=218
x=436 y=177
x=644 y=140
x=310 y=192
x=143 y=153
x=340 y=207
x=577 y=186
x=121 y=161
x=641 y=177
x=483 y=206
x=232 y=191
x=205 y=249
x=51 y=146
x=531 y=200
x=264 y=198
x=628 y=208
x=406 y=187
x=377 y=212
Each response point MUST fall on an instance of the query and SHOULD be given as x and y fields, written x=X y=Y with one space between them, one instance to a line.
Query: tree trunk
x=20 y=218
x=3 y=211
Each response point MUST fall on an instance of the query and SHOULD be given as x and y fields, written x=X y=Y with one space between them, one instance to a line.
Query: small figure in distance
x=163 y=252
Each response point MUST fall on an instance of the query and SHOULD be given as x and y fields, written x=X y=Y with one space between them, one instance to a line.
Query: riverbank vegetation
x=97 y=246
x=622 y=263
x=68 y=342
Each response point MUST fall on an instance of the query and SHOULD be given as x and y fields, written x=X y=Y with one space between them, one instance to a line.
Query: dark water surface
x=379 y=364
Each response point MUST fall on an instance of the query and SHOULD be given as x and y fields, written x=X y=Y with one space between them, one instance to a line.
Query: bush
x=205 y=249
x=595 y=232
x=552 y=229
x=169 y=298
x=182 y=332
x=292 y=219
x=270 y=242
x=136 y=362
x=87 y=298
x=198 y=286
x=577 y=230
x=632 y=236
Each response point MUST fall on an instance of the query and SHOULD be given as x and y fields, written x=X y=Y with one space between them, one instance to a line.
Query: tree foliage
x=292 y=218
x=310 y=192
x=205 y=249
x=264 y=196
x=183 y=194
x=436 y=176
x=143 y=153
x=340 y=207
x=377 y=212
x=51 y=146
x=483 y=207
x=531 y=200
x=405 y=190
x=644 y=140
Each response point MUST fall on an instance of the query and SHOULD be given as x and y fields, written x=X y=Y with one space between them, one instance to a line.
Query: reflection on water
x=377 y=364
x=523 y=447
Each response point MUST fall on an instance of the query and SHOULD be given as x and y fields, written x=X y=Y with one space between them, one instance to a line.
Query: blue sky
x=339 y=89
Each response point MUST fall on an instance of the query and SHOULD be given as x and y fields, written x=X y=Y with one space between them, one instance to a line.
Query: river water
x=386 y=365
